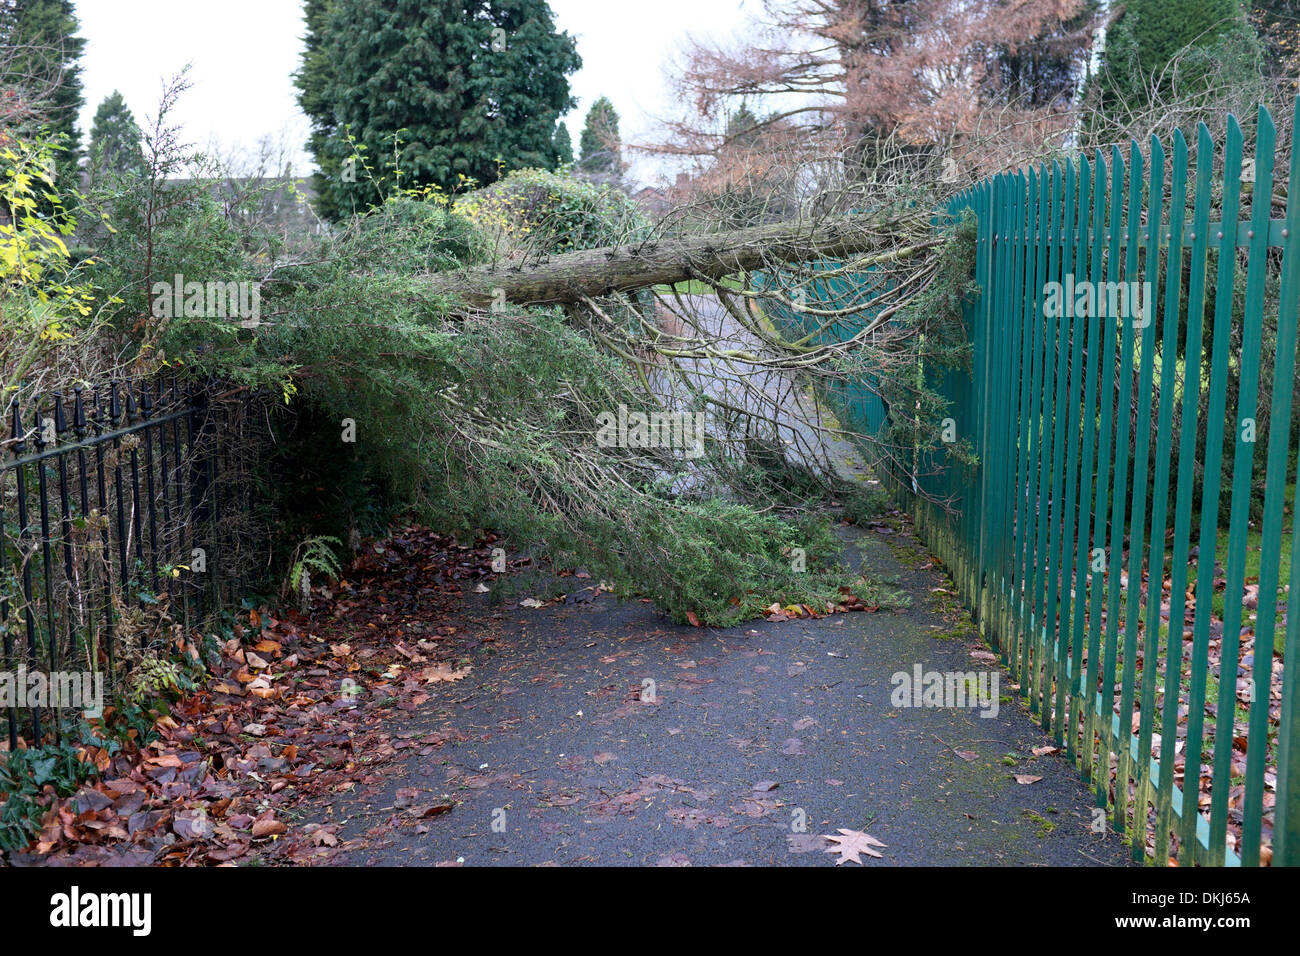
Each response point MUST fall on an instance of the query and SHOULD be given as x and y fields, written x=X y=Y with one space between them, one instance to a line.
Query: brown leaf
x=439 y=673
x=268 y=827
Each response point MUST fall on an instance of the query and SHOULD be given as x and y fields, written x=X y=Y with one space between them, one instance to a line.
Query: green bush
x=24 y=775
x=409 y=235
x=535 y=211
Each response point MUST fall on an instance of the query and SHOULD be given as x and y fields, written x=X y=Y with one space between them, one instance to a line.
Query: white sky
x=243 y=53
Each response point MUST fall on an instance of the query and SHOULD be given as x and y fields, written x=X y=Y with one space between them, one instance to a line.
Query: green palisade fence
x=1105 y=541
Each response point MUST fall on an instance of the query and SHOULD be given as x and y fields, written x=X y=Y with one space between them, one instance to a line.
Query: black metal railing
x=128 y=518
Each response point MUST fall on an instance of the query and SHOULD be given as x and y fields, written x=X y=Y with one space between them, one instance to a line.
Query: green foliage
x=563 y=145
x=173 y=218
x=865 y=502
x=600 y=149
x=444 y=91
x=907 y=377
x=24 y=775
x=115 y=138
x=1173 y=49
x=406 y=236
x=156 y=681
x=45 y=300
x=315 y=554
x=547 y=212
x=721 y=561
x=41 y=62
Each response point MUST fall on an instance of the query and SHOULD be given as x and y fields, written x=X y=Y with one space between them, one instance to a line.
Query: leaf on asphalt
x=266 y=827
x=1025 y=778
x=439 y=673
x=850 y=844
x=405 y=797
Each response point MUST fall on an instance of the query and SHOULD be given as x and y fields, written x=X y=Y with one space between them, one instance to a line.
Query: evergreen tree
x=115 y=137
x=742 y=127
x=599 y=148
x=429 y=92
x=42 y=59
x=563 y=145
x=1208 y=38
x=313 y=79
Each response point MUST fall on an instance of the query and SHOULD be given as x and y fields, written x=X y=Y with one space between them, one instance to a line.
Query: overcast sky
x=243 y=53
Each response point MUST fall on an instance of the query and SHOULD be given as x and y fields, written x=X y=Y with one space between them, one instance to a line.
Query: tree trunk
x=595 y=272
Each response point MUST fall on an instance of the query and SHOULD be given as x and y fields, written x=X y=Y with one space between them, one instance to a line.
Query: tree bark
x=595 y=272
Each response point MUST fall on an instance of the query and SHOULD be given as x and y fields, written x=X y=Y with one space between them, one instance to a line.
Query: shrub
x=24 y=775
x=540 y=212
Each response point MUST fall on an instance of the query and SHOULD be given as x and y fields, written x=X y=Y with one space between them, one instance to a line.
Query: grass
x=696 y=287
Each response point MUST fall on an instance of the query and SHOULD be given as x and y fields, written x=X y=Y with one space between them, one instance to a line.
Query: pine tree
x=429 y=92
x=1174 y=47
x=563 y=145
x=313 y=79
x=115 y=137
x=599 y=147
x=742 y=126
x=42 y=59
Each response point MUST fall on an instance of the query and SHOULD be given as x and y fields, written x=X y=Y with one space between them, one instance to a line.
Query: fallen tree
x=869 y=240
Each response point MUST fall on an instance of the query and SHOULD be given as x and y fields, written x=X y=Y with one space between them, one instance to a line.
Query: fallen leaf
x=267 y=827
x=440 y=673
x=851 y=843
